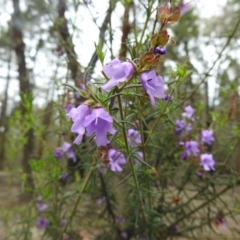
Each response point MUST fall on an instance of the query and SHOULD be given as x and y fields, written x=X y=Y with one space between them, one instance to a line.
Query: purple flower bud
x=175 y=228
x=160 y=50
x=58 y=153
x=117 y=72
x=43 y=223
x=153 y=85
x=207 y=162
x=168 y=98
x=64 y=176
x=199 y=174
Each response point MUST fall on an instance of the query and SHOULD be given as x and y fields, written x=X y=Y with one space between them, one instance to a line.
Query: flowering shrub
x=141 y=164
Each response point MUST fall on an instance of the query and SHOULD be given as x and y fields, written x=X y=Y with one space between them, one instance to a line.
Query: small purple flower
x=191 y=148
x=117 y=72
x=175 y=228
x=43 y=223
x=179 y=126
x=41 y=206
x=99 y=122
x=168 y=98
x=124 y=235
x=63 y=222
x=207 y=162
x=115 y=160
x=78 y=116
x=58 y=153
x=153 y=85
x=188 y=128
x=199 y=174
x=100 y=200
x=160 y=50
x=184 y=155
x=64 y=176
x=189 y=111
x=67 y=149
x=181 y=144
x=207 y=137
x=134 y=137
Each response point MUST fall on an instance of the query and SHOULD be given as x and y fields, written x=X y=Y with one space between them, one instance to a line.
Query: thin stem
x=158 y=119
x=77 y=201
x=130 y=158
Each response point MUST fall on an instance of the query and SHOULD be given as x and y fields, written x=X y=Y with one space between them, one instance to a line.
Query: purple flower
x=78 y=116
x=64 y=176
x=58 y=153
x=153 y=85
x=207 y=162
x=115 y=159
x=124 y=235
x=179 y=126
x=67 y=149
x=41 y=206
x=168 y=98
x=43 y=223
x=118 y=72
x=99 y=122
x=191 y=148
x=189 y=111
x=100 y=200
x=207 y=137
x=160 y=50
x=175 y=228
x=134 y=137
x=63 y=222
x=220 y=221
x=199 y=174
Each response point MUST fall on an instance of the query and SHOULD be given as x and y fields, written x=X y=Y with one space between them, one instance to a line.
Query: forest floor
x=10 y=205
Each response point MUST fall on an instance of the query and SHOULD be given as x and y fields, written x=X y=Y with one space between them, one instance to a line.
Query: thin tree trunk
x=3 y=117
x=67 y=43
x=126 y=29
x=102 y=30
x=25 y=90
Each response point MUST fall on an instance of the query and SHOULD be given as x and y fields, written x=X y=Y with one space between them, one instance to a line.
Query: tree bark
x=126 y=29
x=3 y=117
x=67 y=43
x=25 y=90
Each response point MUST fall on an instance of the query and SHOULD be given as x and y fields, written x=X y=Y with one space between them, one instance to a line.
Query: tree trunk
x=25 y=90
x=3 y=117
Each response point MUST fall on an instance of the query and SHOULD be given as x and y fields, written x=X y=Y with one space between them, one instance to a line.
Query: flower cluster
x=97 y=122
x=191 y=147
